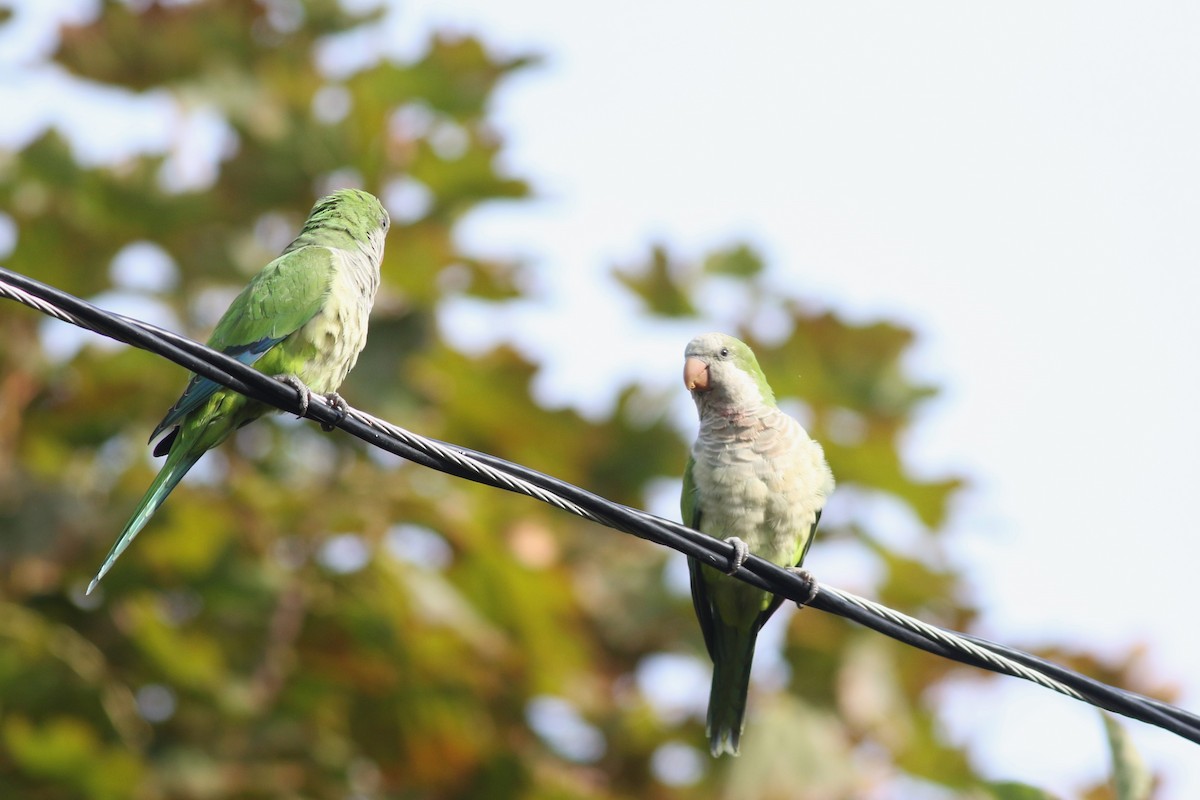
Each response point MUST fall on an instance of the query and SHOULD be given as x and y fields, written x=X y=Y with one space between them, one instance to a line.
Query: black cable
x=496 y=472
x=1101 y=694
x=771 y=577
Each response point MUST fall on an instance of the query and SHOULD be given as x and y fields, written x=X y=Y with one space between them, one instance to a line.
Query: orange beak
x=695 y=375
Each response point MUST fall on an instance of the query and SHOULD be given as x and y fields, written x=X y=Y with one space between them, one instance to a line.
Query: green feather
x=743 y=357
x=178 y=463
x=304 y=314
x=279 y=300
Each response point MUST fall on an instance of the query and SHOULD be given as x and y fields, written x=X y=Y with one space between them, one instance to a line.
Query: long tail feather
x=730 y=685
x=167 y=479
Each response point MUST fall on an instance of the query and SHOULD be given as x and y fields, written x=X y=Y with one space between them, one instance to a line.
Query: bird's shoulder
x=288 y=292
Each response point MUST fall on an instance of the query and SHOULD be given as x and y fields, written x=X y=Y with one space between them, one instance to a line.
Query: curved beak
x=695 y=375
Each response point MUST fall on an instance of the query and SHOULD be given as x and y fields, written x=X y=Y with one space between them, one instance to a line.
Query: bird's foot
x=740 y=551
x=337 y=404
x=305 y=394
x=811 y=587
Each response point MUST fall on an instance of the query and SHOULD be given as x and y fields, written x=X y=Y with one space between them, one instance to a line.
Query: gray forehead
x=706 y=344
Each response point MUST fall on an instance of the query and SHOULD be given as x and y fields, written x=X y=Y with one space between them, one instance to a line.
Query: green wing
x=777 y=600
x=276 y=303
x=279 y=300
x=687 y=501
x=690 y=510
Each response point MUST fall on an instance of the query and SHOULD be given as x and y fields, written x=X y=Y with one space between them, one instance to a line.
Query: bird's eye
x=724 y=352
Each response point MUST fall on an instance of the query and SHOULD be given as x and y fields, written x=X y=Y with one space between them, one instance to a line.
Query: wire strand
x=492 y=471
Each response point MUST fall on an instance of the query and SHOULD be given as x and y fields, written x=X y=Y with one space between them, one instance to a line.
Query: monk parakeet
x=757 y=480
x=302 y=319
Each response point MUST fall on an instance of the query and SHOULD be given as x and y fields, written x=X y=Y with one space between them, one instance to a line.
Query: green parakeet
x=303 y=318
x=756 y=479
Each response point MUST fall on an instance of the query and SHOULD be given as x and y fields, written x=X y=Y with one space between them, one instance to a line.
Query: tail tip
x=92 y=586
x=724 y=741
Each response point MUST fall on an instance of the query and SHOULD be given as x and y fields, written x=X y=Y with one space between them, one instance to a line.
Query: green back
x=275 y=304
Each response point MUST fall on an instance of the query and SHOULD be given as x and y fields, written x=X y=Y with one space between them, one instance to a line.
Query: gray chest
x=338 y=332
x=761 y=480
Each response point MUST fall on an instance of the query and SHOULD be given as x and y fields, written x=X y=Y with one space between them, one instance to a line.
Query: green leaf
x=740 y=261
x=1011 y=790
x=658 y=286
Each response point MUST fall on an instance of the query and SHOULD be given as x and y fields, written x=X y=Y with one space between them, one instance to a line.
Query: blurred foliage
x=317 y=621
x=1131 y=779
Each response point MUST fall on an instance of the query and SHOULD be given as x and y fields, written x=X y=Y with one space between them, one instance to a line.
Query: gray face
x=722 y=370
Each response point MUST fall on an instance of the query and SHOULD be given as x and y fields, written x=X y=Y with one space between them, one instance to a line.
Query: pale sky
x=1015 y=181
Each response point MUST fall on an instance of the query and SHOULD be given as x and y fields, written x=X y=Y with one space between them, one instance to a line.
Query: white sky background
x=1018 y=182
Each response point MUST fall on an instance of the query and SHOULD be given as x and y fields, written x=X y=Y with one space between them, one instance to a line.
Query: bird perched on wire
x=302 y=319
x=756 y=480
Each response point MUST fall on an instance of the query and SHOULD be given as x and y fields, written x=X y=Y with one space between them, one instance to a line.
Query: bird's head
x=361 y=210
x=351 y=217
x=722 y=371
